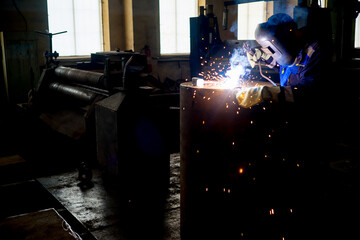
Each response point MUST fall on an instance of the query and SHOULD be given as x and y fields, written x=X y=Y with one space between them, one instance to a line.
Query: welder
x=298 y=58
x=299 y=98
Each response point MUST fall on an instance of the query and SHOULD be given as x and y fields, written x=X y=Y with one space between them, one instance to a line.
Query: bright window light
x=249 y=16
x=82 y=21
x=175 y=25
x=357 y=32
x=322 y=3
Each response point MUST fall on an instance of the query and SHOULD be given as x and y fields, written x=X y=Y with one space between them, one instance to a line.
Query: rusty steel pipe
x=209 y=118
x=220 y=143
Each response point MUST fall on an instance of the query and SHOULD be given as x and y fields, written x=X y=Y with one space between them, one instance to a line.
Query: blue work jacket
x=305 y=69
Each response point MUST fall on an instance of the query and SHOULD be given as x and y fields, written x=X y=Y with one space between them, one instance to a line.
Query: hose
x=124 y=71
x=271 y=81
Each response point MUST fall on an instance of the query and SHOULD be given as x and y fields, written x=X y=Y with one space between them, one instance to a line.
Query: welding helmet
x=277 y=37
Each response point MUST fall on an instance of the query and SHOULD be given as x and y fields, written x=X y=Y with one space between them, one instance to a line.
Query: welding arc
x=266 y=76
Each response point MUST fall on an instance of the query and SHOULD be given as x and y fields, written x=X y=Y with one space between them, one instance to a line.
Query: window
x=357 y=32
x=175 y=25
x=249 y=16
x=82 y=21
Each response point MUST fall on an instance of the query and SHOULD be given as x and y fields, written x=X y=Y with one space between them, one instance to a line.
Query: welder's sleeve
x=312 y=72
x=312 y=77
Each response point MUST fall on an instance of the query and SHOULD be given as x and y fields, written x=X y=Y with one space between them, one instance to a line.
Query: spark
x=228 y=74
x=272 y=211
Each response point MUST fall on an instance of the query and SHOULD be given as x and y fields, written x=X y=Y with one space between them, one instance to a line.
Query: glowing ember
x=272 y=212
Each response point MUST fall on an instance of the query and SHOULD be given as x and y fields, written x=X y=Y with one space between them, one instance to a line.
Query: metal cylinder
x=72 y=92
x=73 y=75
x=226 y=151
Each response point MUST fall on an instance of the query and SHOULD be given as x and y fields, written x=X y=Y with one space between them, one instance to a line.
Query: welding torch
x=256 y=56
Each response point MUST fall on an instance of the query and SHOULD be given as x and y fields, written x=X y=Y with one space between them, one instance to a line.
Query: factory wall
x=116 y=25
x=34 y=19
x=147 y=32
x=285 y=6
x=119 y=17
x=232 y=18
x=24 y=47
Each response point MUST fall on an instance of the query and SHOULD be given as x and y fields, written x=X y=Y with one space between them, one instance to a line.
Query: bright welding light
x=220 y=77
x=200 y=83
x=234 y=76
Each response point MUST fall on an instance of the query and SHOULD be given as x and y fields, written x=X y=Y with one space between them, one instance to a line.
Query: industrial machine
x=108 y=104
x=76 y=90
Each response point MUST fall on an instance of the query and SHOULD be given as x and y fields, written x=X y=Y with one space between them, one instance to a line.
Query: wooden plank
x=45 y=224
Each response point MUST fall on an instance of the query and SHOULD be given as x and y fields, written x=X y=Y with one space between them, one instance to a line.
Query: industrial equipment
x=50 y=55
x=204 y=36
x=125 y=122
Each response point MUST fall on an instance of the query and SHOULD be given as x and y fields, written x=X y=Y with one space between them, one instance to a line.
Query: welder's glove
x=255 y=55
x=248 y=97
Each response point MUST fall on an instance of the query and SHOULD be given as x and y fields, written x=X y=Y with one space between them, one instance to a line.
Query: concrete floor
x=107 y=214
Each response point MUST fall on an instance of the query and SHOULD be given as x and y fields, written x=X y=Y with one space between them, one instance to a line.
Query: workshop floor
x=40 y=172
x=103 y=212
x=109 y=215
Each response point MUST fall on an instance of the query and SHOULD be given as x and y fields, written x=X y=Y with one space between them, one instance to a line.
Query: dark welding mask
x=277 y=38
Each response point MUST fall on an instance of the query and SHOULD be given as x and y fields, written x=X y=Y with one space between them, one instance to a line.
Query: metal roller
x=94 y=79
x=73 y=92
